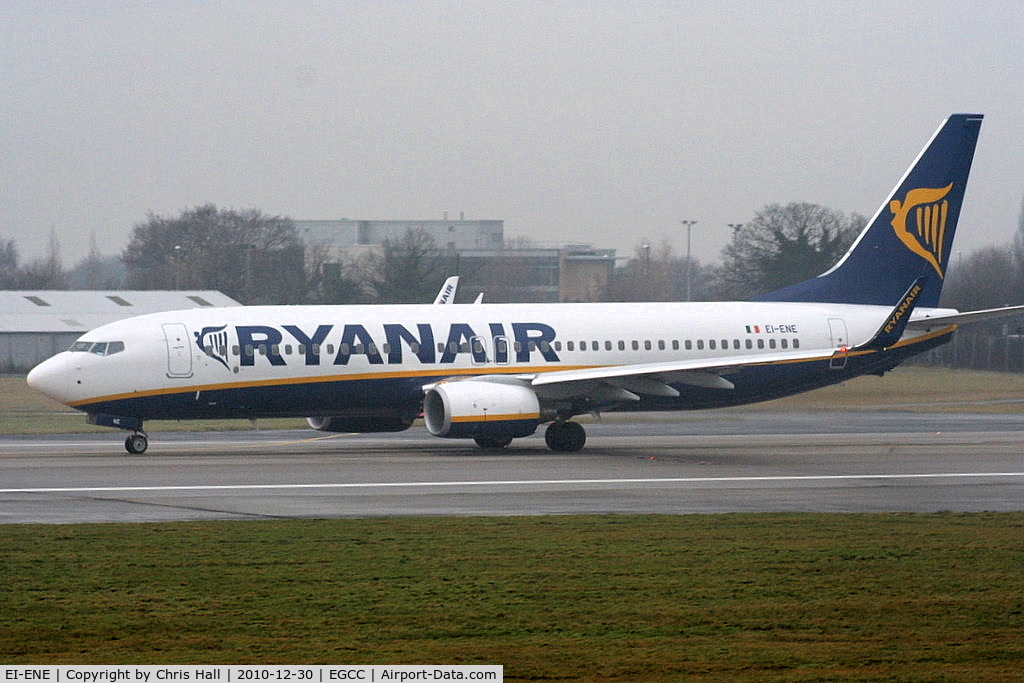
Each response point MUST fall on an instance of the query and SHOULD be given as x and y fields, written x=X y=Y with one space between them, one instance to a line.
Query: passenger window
x=647 y=344
x=622 y=345
x=558 y=345
x=796 y=343
x=675 y=344
x=700 y=344
x=785 y=343
x=749 y=344
x=735 y=343
x=608 y=345
x=594 y=346
x=711 y=344
x=771 y=343
x=760 y=343
x=725 y=344
x=636 y=345
x=661 y=344
x=569 y=346
x=689 y=345
x=583 y=346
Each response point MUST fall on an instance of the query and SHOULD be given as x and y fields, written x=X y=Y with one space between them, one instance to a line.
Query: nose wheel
x=136 y=443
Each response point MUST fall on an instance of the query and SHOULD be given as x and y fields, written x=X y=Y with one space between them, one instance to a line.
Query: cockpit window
x=98 y=348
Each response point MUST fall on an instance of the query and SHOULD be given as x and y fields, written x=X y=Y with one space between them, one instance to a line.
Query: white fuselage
x=213 y=352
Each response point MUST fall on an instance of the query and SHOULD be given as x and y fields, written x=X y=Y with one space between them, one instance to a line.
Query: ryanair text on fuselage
x=525 y=339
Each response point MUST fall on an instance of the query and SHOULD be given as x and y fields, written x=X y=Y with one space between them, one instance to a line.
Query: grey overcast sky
x=599 y=122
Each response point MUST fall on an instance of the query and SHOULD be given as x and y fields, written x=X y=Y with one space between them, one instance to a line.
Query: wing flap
x=653 y=379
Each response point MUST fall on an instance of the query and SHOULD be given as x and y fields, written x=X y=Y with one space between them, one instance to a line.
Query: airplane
x=496 y=372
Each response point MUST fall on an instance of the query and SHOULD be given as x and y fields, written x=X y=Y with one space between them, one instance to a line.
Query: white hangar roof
x=79 y=311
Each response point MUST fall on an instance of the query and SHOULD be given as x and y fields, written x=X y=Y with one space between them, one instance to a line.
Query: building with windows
x=347 y=236
x=475 y=250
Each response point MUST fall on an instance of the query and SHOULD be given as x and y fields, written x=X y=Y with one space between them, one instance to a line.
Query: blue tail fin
x=911 y=234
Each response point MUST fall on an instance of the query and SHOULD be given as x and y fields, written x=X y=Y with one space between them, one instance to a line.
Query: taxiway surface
x=691 y=463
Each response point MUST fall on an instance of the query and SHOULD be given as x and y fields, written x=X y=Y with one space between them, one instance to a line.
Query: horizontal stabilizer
x=933 y=319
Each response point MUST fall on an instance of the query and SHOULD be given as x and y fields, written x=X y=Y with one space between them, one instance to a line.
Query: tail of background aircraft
x=911 y=234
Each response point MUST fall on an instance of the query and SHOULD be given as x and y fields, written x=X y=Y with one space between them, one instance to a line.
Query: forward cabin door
x=179 y=351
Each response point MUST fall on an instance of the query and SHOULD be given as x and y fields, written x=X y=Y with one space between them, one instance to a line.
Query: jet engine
x=491 y=412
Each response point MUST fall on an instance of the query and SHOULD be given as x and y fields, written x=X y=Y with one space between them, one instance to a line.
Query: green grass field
x=723 y=597
x=774 y=597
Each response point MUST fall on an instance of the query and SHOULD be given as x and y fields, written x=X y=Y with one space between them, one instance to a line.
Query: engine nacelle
x=470 y=409
x=386 y=422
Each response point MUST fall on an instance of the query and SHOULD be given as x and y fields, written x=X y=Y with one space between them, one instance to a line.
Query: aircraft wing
x=628 y=382
x=927 y=319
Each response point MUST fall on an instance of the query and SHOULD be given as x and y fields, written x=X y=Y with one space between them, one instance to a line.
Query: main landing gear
x=136 y=443
x=565 y=437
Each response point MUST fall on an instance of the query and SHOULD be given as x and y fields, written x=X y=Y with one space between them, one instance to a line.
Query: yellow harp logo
x=928 y=230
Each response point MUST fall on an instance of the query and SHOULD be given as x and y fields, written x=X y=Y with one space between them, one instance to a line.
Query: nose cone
x=52 y=377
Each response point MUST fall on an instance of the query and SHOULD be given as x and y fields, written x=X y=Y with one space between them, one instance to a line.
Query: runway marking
x=521 y=482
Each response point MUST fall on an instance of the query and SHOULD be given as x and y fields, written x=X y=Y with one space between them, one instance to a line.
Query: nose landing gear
x=136 y=443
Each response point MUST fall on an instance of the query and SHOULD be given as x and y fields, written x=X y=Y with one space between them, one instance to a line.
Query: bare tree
x=408 y=269
x=245 y=254
x=47 y=272
x=10 y=276
x=784 y=244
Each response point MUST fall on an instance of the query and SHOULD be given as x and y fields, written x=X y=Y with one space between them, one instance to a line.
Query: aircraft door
x=501 y=347
x=179 y=351
x=837 y=330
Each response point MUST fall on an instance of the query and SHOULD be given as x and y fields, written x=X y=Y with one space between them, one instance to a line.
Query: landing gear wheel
x=136 y=444
x=492 y=442
x=565 y=437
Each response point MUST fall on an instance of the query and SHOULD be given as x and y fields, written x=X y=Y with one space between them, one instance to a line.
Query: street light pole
x=688 y=224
